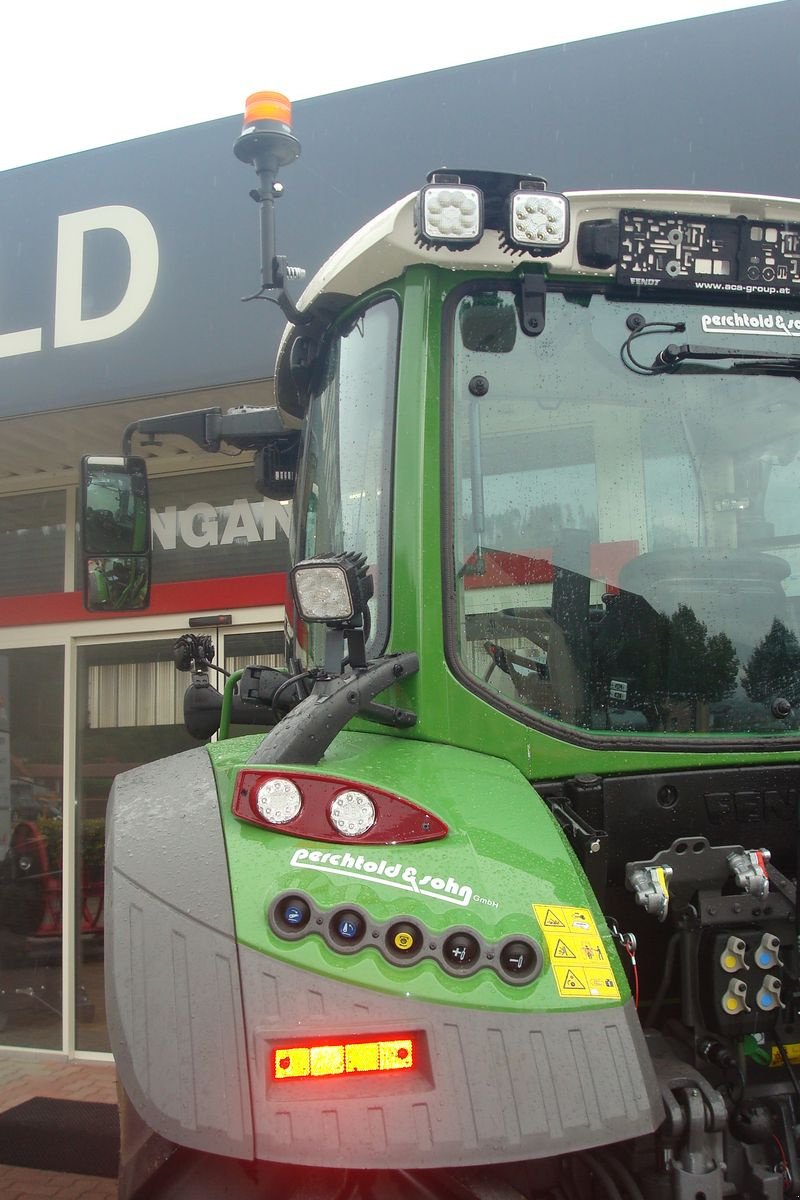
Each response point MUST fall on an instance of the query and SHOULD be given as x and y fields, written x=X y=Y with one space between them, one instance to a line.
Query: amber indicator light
x=342 y=1058
x=268 y=106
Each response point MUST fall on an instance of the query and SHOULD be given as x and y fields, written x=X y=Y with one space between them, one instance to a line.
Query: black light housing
x=449 y=212
x=332 y=589
x=538 y=221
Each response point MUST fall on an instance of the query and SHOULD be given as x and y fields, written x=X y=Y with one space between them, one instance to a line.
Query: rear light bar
x=326 y=809
x=342 y=1058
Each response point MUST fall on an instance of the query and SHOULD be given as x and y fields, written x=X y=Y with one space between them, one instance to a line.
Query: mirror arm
x=201 y=426
x=247 y=428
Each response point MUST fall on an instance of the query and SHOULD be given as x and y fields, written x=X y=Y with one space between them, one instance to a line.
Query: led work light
x=332 y=588
x=449 y=213
x=538 y=221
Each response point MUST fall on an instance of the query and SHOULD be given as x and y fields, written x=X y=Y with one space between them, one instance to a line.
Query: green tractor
x=500 y=899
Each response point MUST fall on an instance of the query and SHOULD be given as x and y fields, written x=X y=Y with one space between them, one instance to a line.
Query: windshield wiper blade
x=673 y=355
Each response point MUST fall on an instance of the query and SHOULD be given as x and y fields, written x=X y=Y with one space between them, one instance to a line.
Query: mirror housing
x=115 y=533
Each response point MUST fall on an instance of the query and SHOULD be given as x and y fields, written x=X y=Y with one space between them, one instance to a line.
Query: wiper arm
x=682 y=358
x=673 y=355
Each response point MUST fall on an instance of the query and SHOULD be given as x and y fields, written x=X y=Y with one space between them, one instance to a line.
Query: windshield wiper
x=672 y=356
x=688 y=358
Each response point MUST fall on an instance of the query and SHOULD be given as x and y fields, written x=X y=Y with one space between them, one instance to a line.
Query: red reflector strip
x=342 y=1058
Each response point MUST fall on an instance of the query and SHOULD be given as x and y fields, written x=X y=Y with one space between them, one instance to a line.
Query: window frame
x=344 y=324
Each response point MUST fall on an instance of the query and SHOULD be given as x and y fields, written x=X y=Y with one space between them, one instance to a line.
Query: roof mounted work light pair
x=456 y=207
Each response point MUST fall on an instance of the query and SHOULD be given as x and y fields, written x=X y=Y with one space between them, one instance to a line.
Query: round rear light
x=278 y=801
x=352 y=813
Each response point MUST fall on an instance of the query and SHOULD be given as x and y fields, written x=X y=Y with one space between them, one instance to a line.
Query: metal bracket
x=590 y=845
x=695 y=1120
x=694 y=864
x=533 y=297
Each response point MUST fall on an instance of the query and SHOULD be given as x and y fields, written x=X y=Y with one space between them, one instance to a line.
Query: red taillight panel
x=321 y=1060
x=396 y=819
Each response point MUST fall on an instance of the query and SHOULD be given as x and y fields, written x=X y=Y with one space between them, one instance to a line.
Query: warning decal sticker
x=568 y=981
x=579 y=958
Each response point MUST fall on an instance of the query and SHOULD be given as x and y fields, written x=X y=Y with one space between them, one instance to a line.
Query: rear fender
x=173 y=994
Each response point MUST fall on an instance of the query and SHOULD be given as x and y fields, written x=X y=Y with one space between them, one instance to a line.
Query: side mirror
x=115 y=534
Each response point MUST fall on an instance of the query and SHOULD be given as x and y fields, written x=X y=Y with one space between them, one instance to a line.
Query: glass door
x=130 y=711
x=31 y=825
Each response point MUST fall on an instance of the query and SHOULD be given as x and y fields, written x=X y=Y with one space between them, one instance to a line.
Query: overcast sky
x=91 y=72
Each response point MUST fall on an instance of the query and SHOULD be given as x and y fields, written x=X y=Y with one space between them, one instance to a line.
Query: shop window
x=127 y=694
x=32 y=543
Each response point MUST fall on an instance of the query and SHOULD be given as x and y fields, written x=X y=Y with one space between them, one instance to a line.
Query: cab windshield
x=627 y=545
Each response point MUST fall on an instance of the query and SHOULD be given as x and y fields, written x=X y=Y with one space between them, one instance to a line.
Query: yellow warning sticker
x=586 y=981
x=584 y=948
x=560 y=916
x=580 y=961
x=569 y=981
x=548 y=917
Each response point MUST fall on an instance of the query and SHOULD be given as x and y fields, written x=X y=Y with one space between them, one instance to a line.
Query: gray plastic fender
x=187 y=1015
x=173 y=996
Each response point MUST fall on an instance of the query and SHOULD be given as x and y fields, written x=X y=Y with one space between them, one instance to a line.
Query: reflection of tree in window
x=773 y=668
x=670 y=662
x=701 y=669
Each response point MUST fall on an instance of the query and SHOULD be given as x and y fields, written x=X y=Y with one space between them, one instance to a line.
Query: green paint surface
x=503 y=853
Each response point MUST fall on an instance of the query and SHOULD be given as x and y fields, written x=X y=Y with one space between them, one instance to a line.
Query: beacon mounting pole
x=267 y=142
